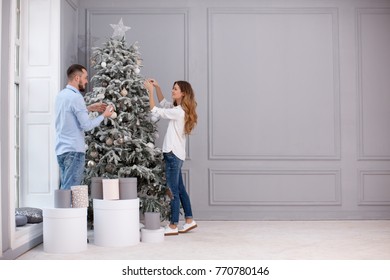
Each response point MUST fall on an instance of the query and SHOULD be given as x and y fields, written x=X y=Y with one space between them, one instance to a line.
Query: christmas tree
x=124 y=144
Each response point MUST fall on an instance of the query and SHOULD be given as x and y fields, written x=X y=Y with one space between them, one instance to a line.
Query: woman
x=182 y=120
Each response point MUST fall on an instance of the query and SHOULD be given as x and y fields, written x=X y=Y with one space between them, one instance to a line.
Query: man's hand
x=109 y=111
x=97 y=107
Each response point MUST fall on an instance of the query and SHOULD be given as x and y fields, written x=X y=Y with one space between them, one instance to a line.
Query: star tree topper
x=119 y=29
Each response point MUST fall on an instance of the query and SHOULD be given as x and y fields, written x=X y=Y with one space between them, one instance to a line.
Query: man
x=72 y=120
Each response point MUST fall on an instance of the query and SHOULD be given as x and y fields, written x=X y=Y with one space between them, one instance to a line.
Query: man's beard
x=81 y=87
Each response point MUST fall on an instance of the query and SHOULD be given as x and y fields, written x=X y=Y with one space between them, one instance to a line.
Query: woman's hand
x=154 y=83
x=149 y=86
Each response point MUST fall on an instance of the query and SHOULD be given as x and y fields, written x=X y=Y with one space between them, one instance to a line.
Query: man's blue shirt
x=72 y=120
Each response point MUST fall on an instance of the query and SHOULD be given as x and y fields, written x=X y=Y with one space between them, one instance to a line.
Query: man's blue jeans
x=72 y=169
x=175 y=182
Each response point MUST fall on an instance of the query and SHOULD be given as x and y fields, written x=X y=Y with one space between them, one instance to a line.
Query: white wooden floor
x=257 y=240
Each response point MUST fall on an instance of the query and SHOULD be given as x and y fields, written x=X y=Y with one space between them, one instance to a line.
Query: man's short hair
x=75 y=69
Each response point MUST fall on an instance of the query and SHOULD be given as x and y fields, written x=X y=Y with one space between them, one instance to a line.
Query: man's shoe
x=171 y=231
x=187 y=227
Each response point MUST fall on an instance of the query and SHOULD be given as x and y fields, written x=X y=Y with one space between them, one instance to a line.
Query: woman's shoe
x=171 y=231
x=187 y=227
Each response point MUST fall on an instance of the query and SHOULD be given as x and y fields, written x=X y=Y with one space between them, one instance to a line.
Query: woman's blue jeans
x=71 y=168
x=175 y=182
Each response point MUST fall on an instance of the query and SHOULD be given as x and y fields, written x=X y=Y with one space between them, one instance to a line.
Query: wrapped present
x=79 y=196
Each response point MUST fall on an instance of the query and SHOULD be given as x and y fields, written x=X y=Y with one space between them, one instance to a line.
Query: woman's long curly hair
x=188 y=104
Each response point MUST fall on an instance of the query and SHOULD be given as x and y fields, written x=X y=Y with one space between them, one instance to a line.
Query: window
x=16 y=102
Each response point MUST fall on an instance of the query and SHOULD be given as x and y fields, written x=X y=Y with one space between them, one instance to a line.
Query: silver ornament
x=94 y=154
x=109 y=141
x=150 y=145
x=91 y=163
x=124 y=92
x=110 y=168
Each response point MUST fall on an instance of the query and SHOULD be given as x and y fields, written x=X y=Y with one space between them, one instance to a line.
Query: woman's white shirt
x=175 y=138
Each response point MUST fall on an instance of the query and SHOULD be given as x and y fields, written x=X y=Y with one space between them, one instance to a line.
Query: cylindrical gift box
x=152 y=220
x=64 y=230
x=116 y=222
x=128 y=188
x=62 y=199
x=152 y=236
x=79 y=196
x=110 y=189
x=96 y=188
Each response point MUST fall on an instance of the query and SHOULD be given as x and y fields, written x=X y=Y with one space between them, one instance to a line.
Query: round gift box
x=64 y=230
x=152 y=236
x=97 y=187
x=152 y=220
x=116 y=222
x=128 y=188
x=62 y=199
x=79 y=196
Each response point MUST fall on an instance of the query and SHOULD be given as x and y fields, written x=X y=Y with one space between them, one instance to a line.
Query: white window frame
x=11 y=123
x=19 y=237
x=1 y=224
x=16 y=99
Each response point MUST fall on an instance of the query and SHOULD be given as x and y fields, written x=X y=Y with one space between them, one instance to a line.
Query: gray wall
x=292 y=100
x=69 y=35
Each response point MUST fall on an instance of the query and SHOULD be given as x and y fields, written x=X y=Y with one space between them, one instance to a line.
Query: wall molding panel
x=274 y=112
x=275 y=187
x=374 y=187
x=92 y=40
x=373 y=43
